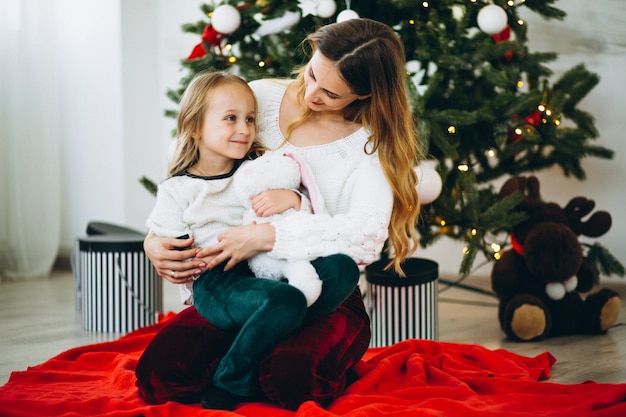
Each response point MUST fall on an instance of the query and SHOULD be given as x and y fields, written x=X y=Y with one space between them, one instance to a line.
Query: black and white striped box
x=402 y=308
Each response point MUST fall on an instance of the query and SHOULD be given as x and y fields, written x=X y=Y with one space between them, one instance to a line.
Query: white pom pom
x=428 y=182
x=347 y=15
x=226 y=19
x=492 y=19
x=555 y=290
x=571 y=284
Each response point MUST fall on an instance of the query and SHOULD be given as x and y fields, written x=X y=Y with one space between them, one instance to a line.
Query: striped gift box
x=117 y=286
x=402 y=308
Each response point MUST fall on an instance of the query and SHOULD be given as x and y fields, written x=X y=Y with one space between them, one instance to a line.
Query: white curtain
x=30 y=177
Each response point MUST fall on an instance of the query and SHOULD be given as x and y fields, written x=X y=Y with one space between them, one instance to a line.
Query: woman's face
x=325 y=89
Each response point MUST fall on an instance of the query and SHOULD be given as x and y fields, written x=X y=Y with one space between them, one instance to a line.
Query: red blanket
x=411 y=378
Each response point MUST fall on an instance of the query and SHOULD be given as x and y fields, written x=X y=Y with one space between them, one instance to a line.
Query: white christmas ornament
x=326 y=8
x=347 y=15
x=492 y=19
x=226 y=19
x=428 y=182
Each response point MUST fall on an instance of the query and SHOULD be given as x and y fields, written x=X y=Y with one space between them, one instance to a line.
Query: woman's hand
x=236 y=244
x=272 y=202
x=172 y=259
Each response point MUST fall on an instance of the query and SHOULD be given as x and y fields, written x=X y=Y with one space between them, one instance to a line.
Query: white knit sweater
x=200 y=207
x=355 y=191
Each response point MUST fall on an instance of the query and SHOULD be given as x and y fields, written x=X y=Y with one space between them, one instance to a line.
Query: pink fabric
x=307 y=179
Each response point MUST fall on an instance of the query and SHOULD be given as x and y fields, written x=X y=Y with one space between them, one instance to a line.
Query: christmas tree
x=484 y=104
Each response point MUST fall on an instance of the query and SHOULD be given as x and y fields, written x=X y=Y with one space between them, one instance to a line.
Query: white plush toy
x=276 y=170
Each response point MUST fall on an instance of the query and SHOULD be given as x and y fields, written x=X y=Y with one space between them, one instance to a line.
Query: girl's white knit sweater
x=200 y=207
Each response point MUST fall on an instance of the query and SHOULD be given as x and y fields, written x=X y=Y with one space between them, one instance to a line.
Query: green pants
x=264 y=312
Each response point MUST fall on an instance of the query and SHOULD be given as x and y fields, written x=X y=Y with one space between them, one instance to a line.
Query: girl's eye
x=250 y=120
x=231 y=118
x=311 y=73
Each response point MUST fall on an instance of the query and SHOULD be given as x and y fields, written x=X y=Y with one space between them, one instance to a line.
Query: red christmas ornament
x=533 y=119
x=513 y=136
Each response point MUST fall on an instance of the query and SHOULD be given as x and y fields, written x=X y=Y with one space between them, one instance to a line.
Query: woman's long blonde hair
x=193 y=105
x=370 y=58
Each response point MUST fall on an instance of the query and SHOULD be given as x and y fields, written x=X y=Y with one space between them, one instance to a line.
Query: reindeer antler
x=527 y=185
x=598 y=224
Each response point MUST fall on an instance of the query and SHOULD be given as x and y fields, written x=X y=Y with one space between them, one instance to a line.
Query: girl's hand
x=272 y=202
x=239 y=243
x=172 y=258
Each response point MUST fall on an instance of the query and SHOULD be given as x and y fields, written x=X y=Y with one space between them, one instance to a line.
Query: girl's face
x=326 y=90
x=228 y=125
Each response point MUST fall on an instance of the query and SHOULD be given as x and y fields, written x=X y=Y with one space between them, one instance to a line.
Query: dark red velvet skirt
x=311 y=364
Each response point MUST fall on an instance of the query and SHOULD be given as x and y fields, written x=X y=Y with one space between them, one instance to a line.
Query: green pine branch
x=602 y=260
x=149 y=185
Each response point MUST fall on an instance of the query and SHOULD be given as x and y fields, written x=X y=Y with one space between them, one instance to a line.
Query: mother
x=347 y=115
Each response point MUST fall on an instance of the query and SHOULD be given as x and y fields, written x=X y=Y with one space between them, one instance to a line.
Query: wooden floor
x=38 y=319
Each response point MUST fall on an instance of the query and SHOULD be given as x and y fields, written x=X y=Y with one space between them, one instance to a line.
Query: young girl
x=216 y=133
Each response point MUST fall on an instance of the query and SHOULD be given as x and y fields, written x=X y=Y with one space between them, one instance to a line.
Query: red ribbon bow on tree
x=505 y=35
x=209 y=35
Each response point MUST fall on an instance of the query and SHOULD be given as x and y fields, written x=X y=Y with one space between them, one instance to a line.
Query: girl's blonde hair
x=370 y=58
x=193 y=105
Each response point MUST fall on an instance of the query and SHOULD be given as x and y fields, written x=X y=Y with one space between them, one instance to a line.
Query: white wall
x=93 y=146
x=123 y=56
